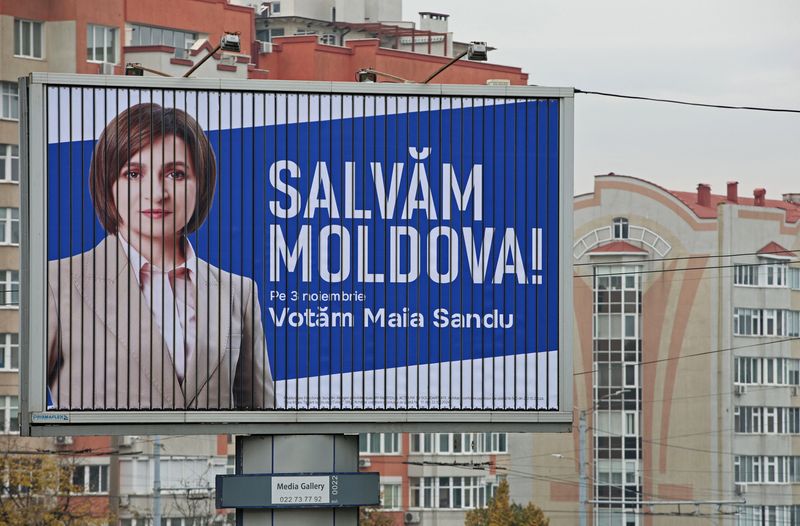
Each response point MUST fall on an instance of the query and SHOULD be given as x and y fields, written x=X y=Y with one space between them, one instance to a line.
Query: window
x=28 y=39
x=745 y=275
x=449 y=492
x=459 y=443
x=9 y=101
x=773 y=274
x=379 y=443
x=499 y=443
x=631 y=423
x=9 y=351
x=631 y=370
x=765 y=322
x=768 y=515
x=9 y=163
x=766 y=420
x=766 y=371
x=142 y=35
x=9 y=405
x=101 y=44
x=766 y=469
x=610 y=472
x=9 y=289
x=9 y=226
x=390 y=496
x=276 y=8
x=791 y=323
x=91 y=479
x=617 y=321
x=794 y=278
x=271 y=33
x=422 y=443
x=620 y=228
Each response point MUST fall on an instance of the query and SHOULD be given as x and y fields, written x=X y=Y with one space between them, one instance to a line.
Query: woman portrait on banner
x=139 y=321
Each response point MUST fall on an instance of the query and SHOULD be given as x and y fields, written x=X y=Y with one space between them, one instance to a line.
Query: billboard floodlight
x=230 y=41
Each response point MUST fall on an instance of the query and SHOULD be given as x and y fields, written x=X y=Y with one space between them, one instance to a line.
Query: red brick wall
x=303 y=58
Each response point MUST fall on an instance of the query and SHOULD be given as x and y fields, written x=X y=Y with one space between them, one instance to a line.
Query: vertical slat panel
x=272 y=149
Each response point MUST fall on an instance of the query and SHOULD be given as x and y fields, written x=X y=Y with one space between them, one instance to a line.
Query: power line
x=688 y=103
x=702 y=353
x=679 y=258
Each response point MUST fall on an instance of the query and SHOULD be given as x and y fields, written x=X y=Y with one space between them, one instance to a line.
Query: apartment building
x=435 y=478
x=100 y=37
x=686 y=361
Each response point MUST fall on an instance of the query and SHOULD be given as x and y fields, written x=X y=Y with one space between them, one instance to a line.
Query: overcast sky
x=717 y=51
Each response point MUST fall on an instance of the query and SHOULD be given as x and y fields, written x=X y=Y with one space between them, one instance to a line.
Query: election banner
x=299 y=249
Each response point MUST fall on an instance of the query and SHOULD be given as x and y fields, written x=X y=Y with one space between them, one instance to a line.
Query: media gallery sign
x=272 y=252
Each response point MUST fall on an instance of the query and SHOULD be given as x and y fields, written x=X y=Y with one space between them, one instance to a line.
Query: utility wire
x=680 y=258
x=688 y=103
x=702 y=353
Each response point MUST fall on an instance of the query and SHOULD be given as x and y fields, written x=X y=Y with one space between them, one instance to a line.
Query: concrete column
x=297 y=454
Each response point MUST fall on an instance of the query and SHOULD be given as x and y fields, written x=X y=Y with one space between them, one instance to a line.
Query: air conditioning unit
x=364 y=462
x=498 y=82
x=106 y=68
x=740 y=390
x=740 y=489
x=127 y=440
x=63 y=441
x=124 y=501
x=264 y=47
x=411 y=517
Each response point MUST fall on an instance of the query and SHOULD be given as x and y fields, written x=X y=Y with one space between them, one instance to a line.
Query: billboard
x=296 y=253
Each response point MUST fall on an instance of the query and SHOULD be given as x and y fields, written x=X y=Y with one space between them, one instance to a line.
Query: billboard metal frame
x=35 y=420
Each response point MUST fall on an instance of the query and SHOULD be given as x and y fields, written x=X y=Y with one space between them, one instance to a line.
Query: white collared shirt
x=171 y=298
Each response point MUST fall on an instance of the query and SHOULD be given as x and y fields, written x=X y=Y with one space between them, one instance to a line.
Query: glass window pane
x=78 y=476
x=111 y=45
x=13 y=424
x=94 y=479
x=26 y=38
x=17 y=36
x=37 y=40
x=90 y=43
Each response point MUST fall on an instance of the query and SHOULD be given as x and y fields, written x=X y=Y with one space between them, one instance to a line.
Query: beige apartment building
x=687 y=362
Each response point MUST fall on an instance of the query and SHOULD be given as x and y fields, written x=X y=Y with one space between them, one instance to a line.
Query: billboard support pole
x=297 y=454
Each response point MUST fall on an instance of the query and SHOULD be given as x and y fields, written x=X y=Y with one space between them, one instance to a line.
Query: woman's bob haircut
x=134 y=129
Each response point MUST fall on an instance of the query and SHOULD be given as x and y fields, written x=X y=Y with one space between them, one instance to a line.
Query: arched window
x=620 y=228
